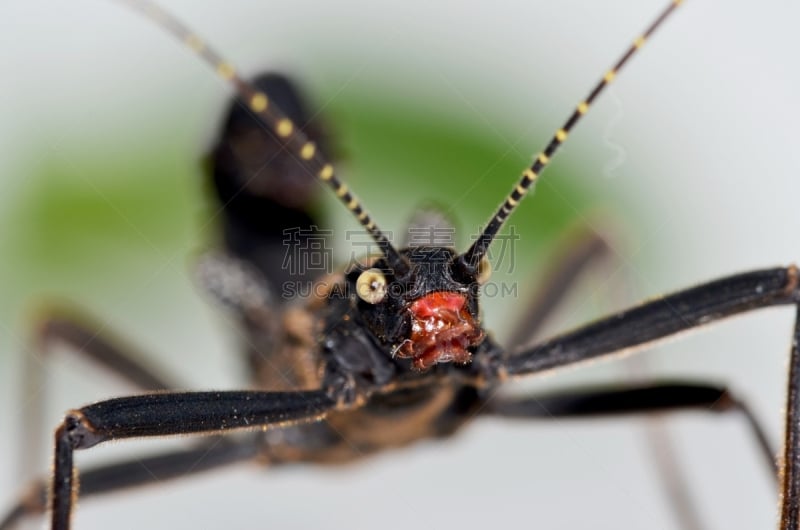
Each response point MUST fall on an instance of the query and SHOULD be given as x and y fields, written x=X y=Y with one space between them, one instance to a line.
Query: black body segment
x=253 y=173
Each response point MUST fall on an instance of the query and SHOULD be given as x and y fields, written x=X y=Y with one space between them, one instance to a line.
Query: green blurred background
x=105 y=123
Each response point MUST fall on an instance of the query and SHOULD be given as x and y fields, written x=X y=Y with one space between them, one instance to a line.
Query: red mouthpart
x=441 y=331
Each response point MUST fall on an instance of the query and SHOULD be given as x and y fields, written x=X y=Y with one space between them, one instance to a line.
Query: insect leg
x=80 y=334
x=580 y=253
x=790 y=476
x=165 y=414
x=667 y=316
x=643 y=399
x=641 y=326
x=632 y=399
x=139 y=472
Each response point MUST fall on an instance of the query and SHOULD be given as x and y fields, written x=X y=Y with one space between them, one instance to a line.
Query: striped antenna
x=294 y=139
x=473 y=255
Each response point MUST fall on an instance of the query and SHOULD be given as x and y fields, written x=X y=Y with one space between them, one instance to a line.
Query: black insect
x=388 y=352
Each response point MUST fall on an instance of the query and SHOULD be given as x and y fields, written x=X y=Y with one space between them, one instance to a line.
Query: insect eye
x=371 y=286
x=484 y=271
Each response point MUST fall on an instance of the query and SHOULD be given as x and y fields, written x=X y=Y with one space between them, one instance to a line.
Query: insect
x=779 y=348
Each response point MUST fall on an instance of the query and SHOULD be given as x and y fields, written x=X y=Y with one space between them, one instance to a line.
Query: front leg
x=657 y=319
x=167 y=414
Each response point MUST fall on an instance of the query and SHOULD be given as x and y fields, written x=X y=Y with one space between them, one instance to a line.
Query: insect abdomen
x=265 y=194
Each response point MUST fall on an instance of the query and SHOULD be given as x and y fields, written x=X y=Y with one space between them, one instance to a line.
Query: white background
x=706 y=118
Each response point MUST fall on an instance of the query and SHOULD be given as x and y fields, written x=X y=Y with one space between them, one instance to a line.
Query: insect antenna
x=471 y=259
x=295 y=140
